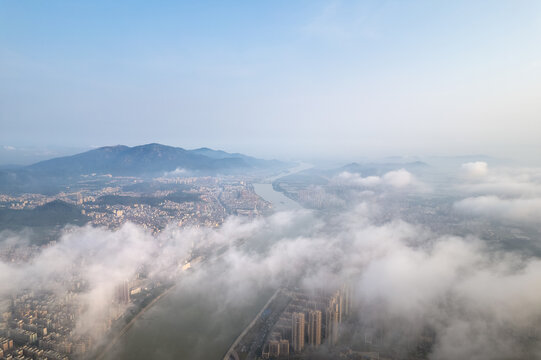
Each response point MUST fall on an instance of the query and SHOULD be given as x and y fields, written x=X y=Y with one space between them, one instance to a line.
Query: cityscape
x=57 y=317
x=280 y=180
x=40 y=324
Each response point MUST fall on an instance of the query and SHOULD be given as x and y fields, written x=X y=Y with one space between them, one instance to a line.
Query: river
x=193 y=321
x=279 y=201
x=196 y=324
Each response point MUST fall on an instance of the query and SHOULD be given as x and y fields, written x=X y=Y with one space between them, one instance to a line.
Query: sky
x=284 y=79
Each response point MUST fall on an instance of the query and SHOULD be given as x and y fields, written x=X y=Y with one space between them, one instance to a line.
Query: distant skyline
x=280 y=79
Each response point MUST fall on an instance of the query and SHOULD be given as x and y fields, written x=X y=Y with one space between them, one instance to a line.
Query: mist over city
x=353 y=180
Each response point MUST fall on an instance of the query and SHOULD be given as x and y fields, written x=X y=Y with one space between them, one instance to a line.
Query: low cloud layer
x=481 y=303
x=471 y=296
x=500 y=181
x=509 y=194
x=475 y=169
x=395 y=179
x=522 y=210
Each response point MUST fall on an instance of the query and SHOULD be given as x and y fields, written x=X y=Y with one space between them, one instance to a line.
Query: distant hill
x=251 y=161
x=144 y=160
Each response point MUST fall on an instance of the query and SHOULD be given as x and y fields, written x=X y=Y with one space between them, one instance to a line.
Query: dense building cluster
x=186 y=201
x=307 y=322
x=41 y=325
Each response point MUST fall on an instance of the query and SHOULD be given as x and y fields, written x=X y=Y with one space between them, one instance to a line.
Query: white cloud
x=521 y=209
x=503 y=193
x=509 y=182
x=399 y=178
x=475 y=169
x=354 y=179
x=466 y=292
x=395 y=179
x=176 y=172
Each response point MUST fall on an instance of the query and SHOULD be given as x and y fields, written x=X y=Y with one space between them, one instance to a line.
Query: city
x=280 y=180
x=41 y=325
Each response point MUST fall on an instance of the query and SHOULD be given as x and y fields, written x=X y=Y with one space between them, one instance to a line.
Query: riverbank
x=229 y=352
x=181 y=324
x=102 y=354
x=279 y=201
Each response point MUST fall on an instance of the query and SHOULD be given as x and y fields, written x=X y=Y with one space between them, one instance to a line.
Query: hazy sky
x=275 y=78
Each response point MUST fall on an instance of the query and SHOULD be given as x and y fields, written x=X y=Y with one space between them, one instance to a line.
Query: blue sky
x=275 y=78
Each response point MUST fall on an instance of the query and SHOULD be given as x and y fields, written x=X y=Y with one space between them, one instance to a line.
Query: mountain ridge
x=148 y=160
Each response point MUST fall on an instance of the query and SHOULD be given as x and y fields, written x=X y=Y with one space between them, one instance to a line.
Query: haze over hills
x=144 y=160
x=148 y=159
x=322 y=176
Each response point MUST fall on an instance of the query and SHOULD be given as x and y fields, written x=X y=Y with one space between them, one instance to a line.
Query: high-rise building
x=339 y=296
x=346 y=294
x=23 y=336
x=122 y=294
x=284 y=347
x=314 y=327
x=297 y=331
x=332 y=316
x=6 y=344
x=274 y=348
x=339 y=302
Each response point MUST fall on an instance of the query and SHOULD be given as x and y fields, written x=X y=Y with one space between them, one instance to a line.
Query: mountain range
x=144 y=160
